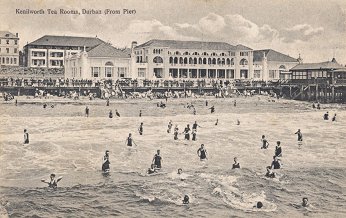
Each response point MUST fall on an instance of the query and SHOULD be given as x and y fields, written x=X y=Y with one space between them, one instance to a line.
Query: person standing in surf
x=86 y=111
x=212 y=109
x=140 y=113
x=300 y=137
x=169 y=126
x=326 y=116
x=202 y=153
x=157 y=160
x=334 y=118
x=129 y=141
x=278 y=150
x=195 y=125
x=187 y=132
x=140 y=129
x=26 y=137
x=117 y=113
x=176 y=132
x=276 y=163
x=53 y=183
x=265 y=143
x=110 y=114
x=105 y=162
x=236 y=163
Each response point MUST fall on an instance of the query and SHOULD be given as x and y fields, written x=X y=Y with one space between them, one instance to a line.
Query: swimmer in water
x=105 y=162
x=86 y=111
x=270 y=173
x=217 y=122
x=202 y=153
x=180 y=171
x=258 y=205
x=212 y=109
x=238 y=122
x=206 y=103
x=187 y=132
x=169 y=126
x=326 y=116
x=318 y=106
x=265 y=143
x=334 y=118
x=194 y=135
x=186 y=199
x=117 y=113
x=140 y=129
x=236 y=165
x=110 y=115
x=235 y=103
x=300 y=137
x=176 y=132
x=107 y=103
x=140 y=113
x=278 y=150
x=53 y=183
x=129 y=141
x=157 y=160
x=276 y=163
x=152 y=169
x=313 y=105
x=195 y=125
x=26 y=137
x=44 y=105
x=305 y=202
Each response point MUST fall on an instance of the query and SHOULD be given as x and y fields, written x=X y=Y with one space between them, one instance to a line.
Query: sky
x=315 y=29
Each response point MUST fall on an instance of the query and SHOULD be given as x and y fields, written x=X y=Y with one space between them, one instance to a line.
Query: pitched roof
x=107 y=50
x=10 y=35
x=242 y=47
x=328 y=65
x=188 y=45
x=67 y=41
x=272 y=55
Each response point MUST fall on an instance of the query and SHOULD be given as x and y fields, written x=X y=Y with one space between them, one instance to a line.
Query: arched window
x=158 y=59
x=282 y=67
x=109 y=63
x=205 y=53
x=200 y=61
x=204 y=61
x=175 y=60
x=171 y=60
x=209 y=60
x=190 y=61
x=232 y=61
x=223 y=61
x=228 y=61
x=222 y=54
x=109 y=69
x=218 y=61
x=195 y=61
x=185 y=60
x=213 y=54
x=214 y=60
x=243 y=62
x=181 y=60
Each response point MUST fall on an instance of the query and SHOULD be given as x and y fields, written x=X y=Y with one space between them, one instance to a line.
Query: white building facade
x=9 y=49
x=103 y=62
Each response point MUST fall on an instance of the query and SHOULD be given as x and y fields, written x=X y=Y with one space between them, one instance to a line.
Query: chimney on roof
x=300 y=60
x=133 y=44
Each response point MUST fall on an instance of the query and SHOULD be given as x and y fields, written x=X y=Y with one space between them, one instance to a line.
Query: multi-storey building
x=9 y=49
x=272 y=65
x=50 y=51
x=97 y=63
x=191 y=60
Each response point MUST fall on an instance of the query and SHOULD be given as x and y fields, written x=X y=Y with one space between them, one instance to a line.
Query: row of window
x=7 y=41
x=8 y=60
x=108 y=72
x=15 y=50
x=204 y=53
x=219 y=61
